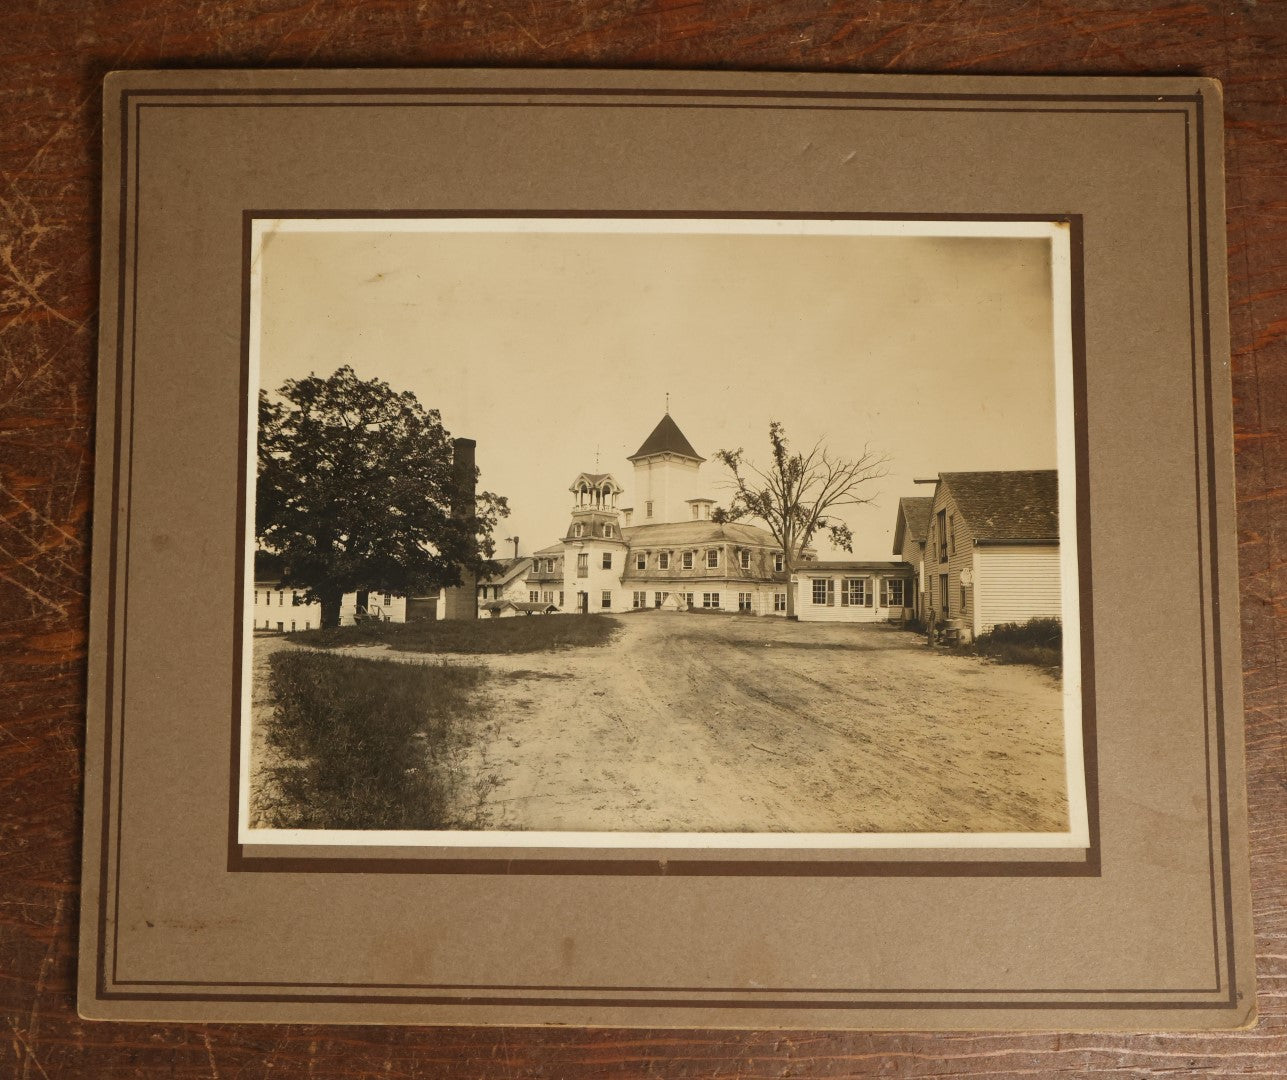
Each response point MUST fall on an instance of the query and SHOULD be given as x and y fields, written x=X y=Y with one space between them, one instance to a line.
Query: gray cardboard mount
x=1148 y=928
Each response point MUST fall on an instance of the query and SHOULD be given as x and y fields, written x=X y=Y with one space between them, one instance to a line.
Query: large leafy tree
x=357 y=489
x=797 y=494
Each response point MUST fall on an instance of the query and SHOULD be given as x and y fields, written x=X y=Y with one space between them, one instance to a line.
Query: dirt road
x=708 y=722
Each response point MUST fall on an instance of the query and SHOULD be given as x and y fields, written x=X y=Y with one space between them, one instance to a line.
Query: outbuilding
x=853 y=591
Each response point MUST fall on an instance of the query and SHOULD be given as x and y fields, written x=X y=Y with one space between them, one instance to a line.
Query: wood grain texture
x=53 y=55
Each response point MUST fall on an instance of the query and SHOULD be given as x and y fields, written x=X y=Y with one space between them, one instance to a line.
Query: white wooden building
x=664 y=551
x=992 y=554
x=854 y=591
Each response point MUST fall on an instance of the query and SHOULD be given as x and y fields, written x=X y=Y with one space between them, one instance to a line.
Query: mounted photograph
x=661 y=532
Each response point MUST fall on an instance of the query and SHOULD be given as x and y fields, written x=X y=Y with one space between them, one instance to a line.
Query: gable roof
x=509 y=570
x=1007 y=505
x=914 y=512
x=666 y=438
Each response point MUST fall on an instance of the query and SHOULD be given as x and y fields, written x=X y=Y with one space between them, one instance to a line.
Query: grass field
x=534 y=633
x=373 y=744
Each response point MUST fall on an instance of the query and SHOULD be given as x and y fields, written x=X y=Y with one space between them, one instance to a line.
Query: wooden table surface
x=53 y=55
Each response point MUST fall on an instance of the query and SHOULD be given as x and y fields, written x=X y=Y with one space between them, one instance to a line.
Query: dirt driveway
x=708 y=722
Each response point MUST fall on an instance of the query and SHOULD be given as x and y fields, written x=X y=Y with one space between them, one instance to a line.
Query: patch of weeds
x=373 y=744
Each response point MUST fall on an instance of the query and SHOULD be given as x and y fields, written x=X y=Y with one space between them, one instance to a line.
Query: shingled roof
x=666 y=438
x=1001 y=506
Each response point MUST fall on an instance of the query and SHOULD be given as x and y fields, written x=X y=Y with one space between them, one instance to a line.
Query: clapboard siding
x=1016 y=583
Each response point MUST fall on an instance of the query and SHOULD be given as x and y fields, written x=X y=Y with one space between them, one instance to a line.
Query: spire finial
x=596 y=458
x=667 y=402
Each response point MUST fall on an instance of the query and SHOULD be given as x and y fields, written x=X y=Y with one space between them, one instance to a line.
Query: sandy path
x=725 y=723
x=693 y=722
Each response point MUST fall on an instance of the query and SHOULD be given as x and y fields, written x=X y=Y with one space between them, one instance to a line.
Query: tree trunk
x=331 y=600
x=789 y=566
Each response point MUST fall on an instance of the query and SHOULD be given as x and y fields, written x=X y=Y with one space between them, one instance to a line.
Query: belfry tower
x=594 y=553
x=666 y=475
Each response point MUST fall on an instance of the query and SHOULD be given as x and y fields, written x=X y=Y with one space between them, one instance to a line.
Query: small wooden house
x=992 y=553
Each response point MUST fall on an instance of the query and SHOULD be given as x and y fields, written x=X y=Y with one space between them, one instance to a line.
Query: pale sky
x=550 y=347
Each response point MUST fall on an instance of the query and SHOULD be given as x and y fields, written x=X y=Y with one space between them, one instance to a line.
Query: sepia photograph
x=647 y=531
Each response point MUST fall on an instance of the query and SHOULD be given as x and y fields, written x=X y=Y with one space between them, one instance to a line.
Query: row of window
x=857 y=592
x=608 y=530
x=295 y=598
x=687 y=560
x=281 y=626
x=745 y=600
x=546 y=597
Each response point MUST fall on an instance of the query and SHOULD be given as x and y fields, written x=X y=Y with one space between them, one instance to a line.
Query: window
x=606 y=599
x=547 y=597
x=256 y=596
x=388 y=599
x=640 y=600
x=895 y=590
x=824 y=591
x=607 y=560
x=607 y=529
x=534 y=597
x=779 y=562
x=583 y=564
x=641 y=561
x=942 y=536
x=712 y=558
x=663 y=560
x=292 y=626
x=560 y=598
x=648 y=508
x=688 y=598
x=744 y=559
x=280 y=594
x=308 y=625
x=576 y=529
x=744 y=601
x=857 y=593
x=280 y=627
x=688 y=560
x=710 y=599
x=697 y=511
x=779 y=601
x=964 y=602
x=658 y=597
x=549 y=566
x=951 y=533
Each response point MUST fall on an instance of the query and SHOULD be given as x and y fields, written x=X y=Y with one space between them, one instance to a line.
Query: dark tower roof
x=666 y=438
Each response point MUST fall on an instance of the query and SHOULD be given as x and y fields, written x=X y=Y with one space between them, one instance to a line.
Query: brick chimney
x=461 y=601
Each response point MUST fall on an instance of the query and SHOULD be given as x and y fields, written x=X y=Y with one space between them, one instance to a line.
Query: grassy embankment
x=373 y=744
x=525 y=633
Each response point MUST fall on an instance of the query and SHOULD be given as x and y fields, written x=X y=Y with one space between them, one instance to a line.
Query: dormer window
x=779 y=562
x=648 y=508
x=607 y=530
x=577 y=529
x=712 y=559
x=641 y=561
x=744 y=559
x=663 y=560
x=687 y=562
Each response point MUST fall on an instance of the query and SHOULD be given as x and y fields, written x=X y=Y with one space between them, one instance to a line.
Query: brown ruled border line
x=678 y=866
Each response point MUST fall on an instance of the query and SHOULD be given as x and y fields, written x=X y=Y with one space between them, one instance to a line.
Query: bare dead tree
x=798 y=494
